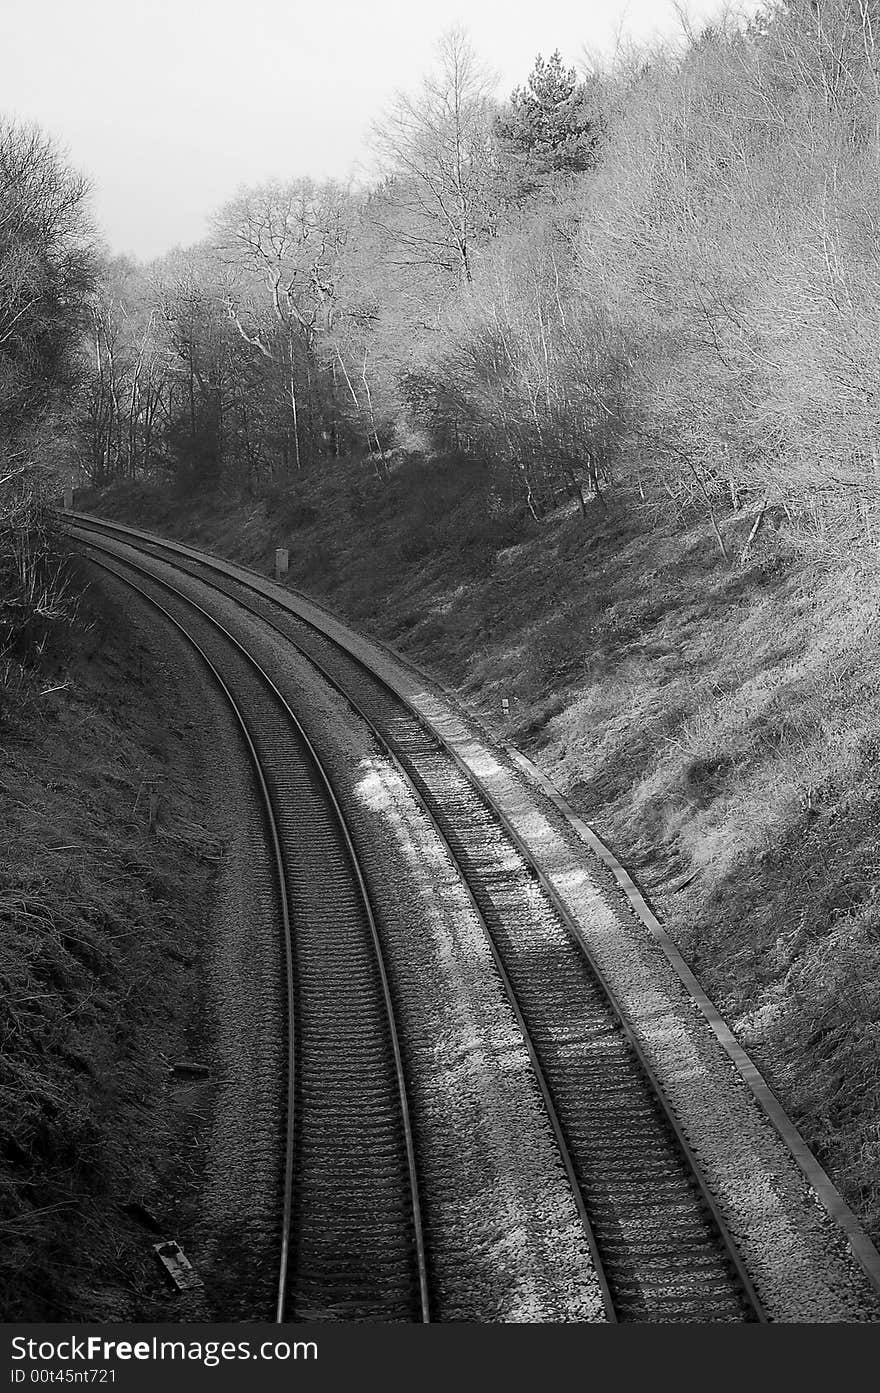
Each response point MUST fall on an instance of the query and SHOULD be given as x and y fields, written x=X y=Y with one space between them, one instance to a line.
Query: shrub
x=34 y=592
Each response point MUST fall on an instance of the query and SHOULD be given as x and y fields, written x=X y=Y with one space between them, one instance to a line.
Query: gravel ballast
x=235 y=1235
x=505 y=1239
x=797 y=1256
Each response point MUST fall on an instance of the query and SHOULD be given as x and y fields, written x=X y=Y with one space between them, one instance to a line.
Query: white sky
x=170 y=105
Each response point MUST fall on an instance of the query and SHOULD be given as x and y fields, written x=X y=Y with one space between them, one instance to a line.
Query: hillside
x=713 y=720
x=103 y=906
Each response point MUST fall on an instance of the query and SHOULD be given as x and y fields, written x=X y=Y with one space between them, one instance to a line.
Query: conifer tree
x=550 y=128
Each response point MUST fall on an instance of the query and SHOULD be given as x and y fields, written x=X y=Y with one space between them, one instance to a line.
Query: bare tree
x=128 y=359
x=435 y=148
x=281 y=244
x=190 y=304
x=45 y=274
x=45 y=278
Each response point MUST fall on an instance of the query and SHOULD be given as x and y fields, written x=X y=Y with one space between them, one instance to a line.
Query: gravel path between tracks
x=505 y=1238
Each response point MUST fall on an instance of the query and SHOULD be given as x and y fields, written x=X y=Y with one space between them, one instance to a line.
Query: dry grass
x=98 y=936
x=716 y=723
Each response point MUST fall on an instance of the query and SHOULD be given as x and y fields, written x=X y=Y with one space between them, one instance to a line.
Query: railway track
x=658 y=1238
x=351 y=1243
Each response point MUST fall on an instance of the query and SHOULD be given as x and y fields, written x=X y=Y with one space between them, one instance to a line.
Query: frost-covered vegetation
x=662 y=270
x=46 y=278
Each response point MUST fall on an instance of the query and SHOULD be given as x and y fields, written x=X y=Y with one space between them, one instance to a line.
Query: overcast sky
x=170 y=105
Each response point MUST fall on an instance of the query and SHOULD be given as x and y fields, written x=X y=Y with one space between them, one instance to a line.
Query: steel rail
x=574 y=932
x=861 y=1246
x=727 y=1241
x=366 y=902
x=423 y=800
x=272 y=823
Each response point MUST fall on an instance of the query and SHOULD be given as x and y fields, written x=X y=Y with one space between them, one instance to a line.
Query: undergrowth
x=98 y=936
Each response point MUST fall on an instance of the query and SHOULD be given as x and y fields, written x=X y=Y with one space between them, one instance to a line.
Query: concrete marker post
x=282 y=561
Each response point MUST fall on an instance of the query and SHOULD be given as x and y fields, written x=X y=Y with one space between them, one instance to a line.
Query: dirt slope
x=102 y=910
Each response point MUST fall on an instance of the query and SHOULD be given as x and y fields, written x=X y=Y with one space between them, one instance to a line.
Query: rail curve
x=658 y=1237
x=330 y=1256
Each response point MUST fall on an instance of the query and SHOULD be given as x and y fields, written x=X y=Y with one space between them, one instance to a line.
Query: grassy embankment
x=99 y=942
x=715 y=722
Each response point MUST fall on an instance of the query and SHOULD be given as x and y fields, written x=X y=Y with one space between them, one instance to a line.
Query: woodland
x=662 y=269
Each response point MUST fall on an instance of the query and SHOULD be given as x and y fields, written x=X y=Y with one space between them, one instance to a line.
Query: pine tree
x=550 y=129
